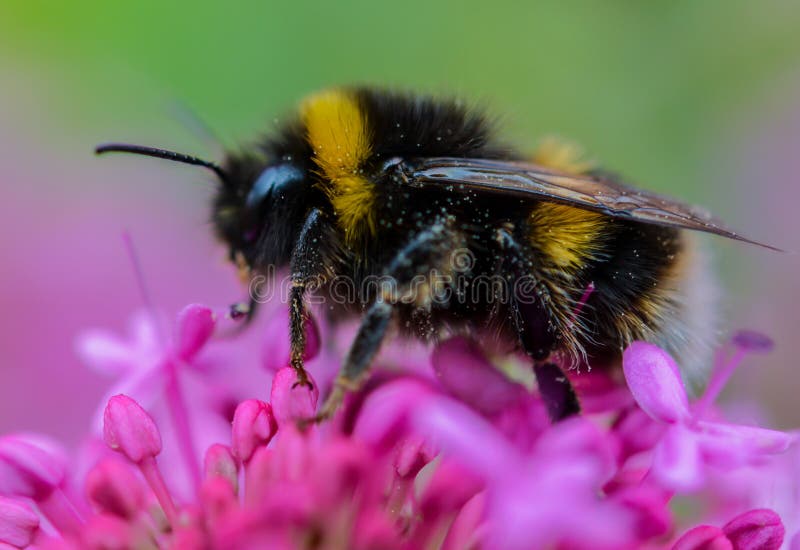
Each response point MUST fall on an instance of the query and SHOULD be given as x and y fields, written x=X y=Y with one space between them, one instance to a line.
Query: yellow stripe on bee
x=338 y=133
x=566 y=237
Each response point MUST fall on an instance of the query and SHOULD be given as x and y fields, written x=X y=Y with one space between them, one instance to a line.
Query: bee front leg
x=297 y=332
x=307 y=263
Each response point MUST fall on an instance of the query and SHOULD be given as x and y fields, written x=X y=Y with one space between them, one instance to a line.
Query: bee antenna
x=162 y=154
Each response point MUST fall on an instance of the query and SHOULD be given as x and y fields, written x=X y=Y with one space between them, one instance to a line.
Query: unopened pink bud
x=219 y=462
x=18 y=523
x=195 y=326
x=113 y=487
x=130 y=430
x=759 y=529
x=253 y=426
x=292 y=401
x=29 y=467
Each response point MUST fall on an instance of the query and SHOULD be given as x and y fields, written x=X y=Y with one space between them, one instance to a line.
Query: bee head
x=257 y=210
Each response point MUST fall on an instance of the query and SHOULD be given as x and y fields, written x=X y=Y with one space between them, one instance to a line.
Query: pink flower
x=690 y=441
x=178 y=374
x=528 y=494
x=463 y=458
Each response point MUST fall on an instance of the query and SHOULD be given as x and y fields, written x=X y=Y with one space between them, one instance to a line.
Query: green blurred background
x=645 y=86
x=670 y=93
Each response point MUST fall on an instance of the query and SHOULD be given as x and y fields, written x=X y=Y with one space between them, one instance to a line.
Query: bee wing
x=598 y=192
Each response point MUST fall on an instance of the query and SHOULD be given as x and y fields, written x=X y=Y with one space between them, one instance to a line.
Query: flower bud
x=130 y=430
x=253 y=425
x=292 y=401
x=759 y=529
x=195 y=326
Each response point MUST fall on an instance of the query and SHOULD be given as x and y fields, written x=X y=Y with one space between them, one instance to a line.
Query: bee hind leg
x=531 y=312
x=556 y=391
x=537 y=340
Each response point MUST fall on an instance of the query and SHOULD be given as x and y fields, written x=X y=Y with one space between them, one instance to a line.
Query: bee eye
x=272 y=182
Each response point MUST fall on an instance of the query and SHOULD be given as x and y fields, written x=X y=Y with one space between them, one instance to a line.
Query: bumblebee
x=544 y=253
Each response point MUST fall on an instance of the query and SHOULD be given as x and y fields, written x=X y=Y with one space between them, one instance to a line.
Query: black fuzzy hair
x=408 y=125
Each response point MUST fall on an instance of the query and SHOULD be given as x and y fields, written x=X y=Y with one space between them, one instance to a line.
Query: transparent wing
x=598 y=192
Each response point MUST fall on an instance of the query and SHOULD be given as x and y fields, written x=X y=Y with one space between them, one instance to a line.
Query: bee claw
x=304 y=382
x=302 y=379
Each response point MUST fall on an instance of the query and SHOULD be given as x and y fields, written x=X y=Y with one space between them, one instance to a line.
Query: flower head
x=463 y=458
x=690 y=441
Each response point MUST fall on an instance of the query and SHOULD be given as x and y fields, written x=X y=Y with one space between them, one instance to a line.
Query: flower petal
x=677 y=463
x=655 y=382
x=18 y=523
x=103 y=352
x=384 y=417
x=466 y=374
x=30 y=466
x=466 y=436
x=731 y=445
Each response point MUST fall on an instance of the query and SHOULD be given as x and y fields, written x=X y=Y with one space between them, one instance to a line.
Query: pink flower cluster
x=189 y=453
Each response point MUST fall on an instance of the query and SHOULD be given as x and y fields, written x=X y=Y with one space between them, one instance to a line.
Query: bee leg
x=556 y=390
x=536 y=330
x=363 y=350
x=554 y=387
x=305 y=275
x=297 y=333
x=423 y=255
